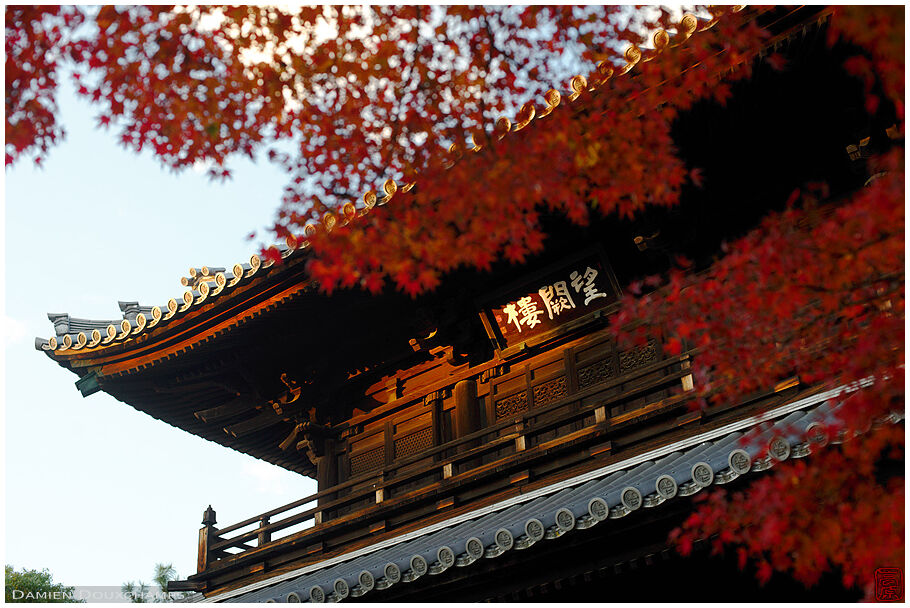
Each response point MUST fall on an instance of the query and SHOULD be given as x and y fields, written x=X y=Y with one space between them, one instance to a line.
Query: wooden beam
x=265 y=419
x=191 y=385
x=233 y=407
x=173 y=586
x=261 y=421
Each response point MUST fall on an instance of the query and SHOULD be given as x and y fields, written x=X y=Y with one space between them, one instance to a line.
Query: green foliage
x=139 y=592
x=163 y=574
x=32 y=586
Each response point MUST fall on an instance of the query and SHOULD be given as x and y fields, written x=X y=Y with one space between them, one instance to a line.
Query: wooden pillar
x=467 y=420
x=327 y=467
x=326 y=475
x=467 y=411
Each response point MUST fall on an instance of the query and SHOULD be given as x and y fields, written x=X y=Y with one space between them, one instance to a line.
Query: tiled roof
x=205 y=284
x=594 y=498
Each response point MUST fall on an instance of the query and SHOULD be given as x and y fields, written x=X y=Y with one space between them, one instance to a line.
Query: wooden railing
x=494 y=452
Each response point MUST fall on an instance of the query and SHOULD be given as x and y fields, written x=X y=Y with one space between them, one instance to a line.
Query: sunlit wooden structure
x=489 y=440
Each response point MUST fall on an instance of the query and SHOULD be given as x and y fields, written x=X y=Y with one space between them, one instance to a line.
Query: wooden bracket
x=520 y=477
x=258 y=567
x=688 y=418
x=378 y=526
x=315 y=548
x=601 y=448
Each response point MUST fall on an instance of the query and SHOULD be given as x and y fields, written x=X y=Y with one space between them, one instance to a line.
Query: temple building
x=490 y=440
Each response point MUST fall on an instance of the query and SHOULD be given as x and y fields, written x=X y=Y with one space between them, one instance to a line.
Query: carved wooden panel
x=595 y=373
x=365 y=462
x=638 y=356
x=551 y=391
x=414 y=443
x=509 y=406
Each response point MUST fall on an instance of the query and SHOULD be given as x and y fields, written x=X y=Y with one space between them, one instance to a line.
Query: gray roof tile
x=204 y=284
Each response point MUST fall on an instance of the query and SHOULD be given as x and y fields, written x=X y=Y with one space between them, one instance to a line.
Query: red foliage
x=812 y=515
x=367 y=95
x=816 y=292
x=35 y=41
x=821 y=298
x=375 y=93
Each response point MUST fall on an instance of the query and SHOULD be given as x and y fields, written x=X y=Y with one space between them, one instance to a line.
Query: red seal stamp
x=889 y=585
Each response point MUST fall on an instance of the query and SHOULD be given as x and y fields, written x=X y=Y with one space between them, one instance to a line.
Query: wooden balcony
x=579 y=429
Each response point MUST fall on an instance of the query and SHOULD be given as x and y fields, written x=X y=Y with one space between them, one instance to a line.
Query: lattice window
x=414 y=443
x=371 y=460
x=597 y=372
x=551 y=391
x=510 y=406
x=638 y=357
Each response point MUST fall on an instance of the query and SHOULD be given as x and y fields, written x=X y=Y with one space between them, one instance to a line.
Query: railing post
x=521 y=442
x=206 y=535
x=381 y=492
x=264 y=537
x=687 y=383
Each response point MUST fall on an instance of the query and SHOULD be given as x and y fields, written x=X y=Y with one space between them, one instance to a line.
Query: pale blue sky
x=96 y=491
